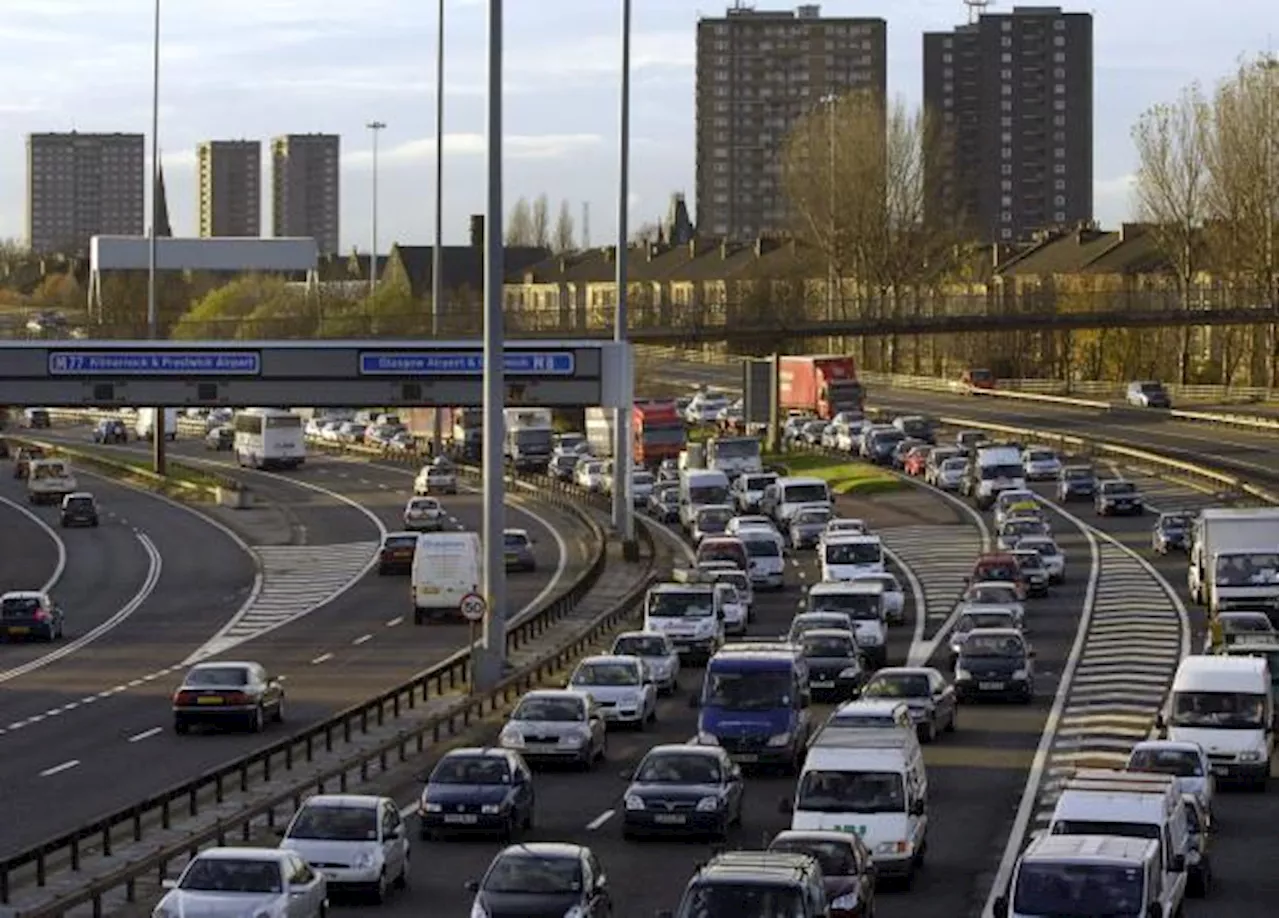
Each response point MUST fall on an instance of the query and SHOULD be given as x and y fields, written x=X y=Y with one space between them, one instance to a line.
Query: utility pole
x=158 y=463
x=375 y=127
x=437 y=250
x=624 y=522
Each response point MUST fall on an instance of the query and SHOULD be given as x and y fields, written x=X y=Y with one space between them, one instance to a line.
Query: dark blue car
x=477 y=790
x=683 y=790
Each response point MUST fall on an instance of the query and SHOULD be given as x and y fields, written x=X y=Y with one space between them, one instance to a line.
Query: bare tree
x=520 y=228
x=646 y=233
x=1172 y=189
x=541 y=220
x=562 y=239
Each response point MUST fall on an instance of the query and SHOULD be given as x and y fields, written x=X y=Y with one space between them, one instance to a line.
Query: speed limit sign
x=473 y=607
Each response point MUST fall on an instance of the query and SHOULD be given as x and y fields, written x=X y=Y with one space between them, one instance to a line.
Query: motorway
x=63 y=769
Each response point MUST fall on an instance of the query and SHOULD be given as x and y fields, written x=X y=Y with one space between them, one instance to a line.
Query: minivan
x=1084 y=875
x=754 y=704
x=447 y=566
x=786 y=495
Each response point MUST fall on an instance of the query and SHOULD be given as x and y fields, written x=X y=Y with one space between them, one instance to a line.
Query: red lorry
x=824 y=385
x=657 y=432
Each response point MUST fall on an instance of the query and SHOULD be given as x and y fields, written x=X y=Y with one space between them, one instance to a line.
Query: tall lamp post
x=153 y=308
x=375 y=127
x=830 y=101
x=623 y=516
x=437 y=250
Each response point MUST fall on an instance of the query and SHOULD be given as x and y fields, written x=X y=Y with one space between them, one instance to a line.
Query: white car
x=423 y=514
x=951 y=473
x=657 y=653
x=734 y=607
x=1187 y=762
x=641 y=487
x=439 y=477
x=844 y=526
x=740 y=524
x=621 y=687
x=1039 y=464
x=590 y=475
x=894 y=598
x=239 y=882
x=1055 y=561
x=705 y=408
x=358 y=841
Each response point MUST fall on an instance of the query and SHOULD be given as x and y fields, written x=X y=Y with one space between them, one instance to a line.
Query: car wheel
x=402 y=881
x=181 y=727
x=258 y=720
x=279 y=715
x=951 y=722
x=381 y=889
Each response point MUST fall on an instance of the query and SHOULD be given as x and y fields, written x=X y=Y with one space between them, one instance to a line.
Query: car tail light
x=42 y=615
x=238 y=698
x=184 y=698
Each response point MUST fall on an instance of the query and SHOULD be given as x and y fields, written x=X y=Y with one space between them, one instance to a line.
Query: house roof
x=1132 y=249
x=463 y=264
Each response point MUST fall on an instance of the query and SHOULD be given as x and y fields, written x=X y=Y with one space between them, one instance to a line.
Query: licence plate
x=669 y=819
x=990 y=686
x=822 y=684
x=465 y=819
x=429 y=590
x=19 y=629
x=1221 y=770
x=746 y=758
x=209 y=699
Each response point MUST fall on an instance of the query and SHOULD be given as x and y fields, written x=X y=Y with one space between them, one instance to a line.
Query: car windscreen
x=856 y=605
x=218 y=677
x=336 y=823
x=640 y=647
x=828 y=646
x=748 y=690
x=853 y=553
x=229 y=875
x=515 y=540
x=851 y=792
x=992 y=472
x=400 y=542
x=835 y=858
x=550 y=710
x=714 y=517
x=601 y=674
x=763 y=548
x=972 y=620
x=898 y=685
x=678 y=768
x=812 y=517
x=1226 y=710
x=515 y=873
x=759 y=482
x=990 y=645
x=805 y=494
x=721 y=899
x=1246 y=570
x=1118 y=487
x=1073 y=890
x=738 y=448
x=680 y=605
x=19 y=606
x=1183 y=763
x=471 y=769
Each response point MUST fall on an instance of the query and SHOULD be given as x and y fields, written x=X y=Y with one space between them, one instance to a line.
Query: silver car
x=951 y=473
x=658 y=654
x=893 y=598
x=1055 y=562
x=423 y=514
x=240 y=882
x=1186 y=762
x=556 y=725
x=620 y=686
x=979 y=617
x=359 y=842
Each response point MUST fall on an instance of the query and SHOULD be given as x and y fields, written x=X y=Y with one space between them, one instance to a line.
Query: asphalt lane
x=28 y=554
x=976 y=776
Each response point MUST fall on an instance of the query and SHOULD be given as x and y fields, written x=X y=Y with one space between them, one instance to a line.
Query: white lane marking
x=145 y=734
x=362 y=639
x=323 y=658
x=60 y=546
x=155 y=564
x=600 y=820
x=398 y=620
x=58 y=769
x=917 y=600
x=1031 y=791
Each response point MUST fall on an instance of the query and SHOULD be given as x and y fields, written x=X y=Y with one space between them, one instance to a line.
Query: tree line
x=529 y=224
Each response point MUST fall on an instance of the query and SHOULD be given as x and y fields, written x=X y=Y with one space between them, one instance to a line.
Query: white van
x=701 y=488
x=863 y=602
x=49 y=480
x=446 y=567
x=873 y=786
x=846 y=557
x=766 y=563
x=1130 y=805
x=1084 y=875
x=787 y=495
x=144 y=424
x=689 y=614
x=1223 y=704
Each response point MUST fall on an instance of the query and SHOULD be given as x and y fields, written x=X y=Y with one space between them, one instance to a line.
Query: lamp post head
x=376 y=125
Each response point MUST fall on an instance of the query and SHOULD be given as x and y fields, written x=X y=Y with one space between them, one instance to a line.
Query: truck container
x=657 y=433
x=599 y=431
x=144 y=424
x=1233 y=558
x=735 y=455
x=824 y=385
x=527 y=439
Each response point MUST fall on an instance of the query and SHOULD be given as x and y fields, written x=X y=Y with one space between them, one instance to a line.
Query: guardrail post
x=106 y=840
x=193 y=804
x=217 y=788
x=97 y=905
x=41 y=879
x=4 y=886
x=244 y=777
x=164 y=817
x=137 y=826
x=266 y=768
x=288 y=757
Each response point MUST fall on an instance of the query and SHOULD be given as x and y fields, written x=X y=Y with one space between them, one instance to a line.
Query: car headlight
x=367 y=860
x=511 y=738
x=780 y=739
x=479 y=911
x=575 y=911
x=707 y=739
x=1019 y=675
x=893 y=847
x=161 y=911
x=572 y=739
x=962 y=674
x=491 y=809
x=867 y=640
x=708 y=804
x=1250 y=755
x=847 y=901
x=632 y=802
x=851 y=672
x=429 y=807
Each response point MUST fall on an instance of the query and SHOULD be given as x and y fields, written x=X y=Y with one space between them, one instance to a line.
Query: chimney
x=1131 y=231
x=724 y=249
x=564 y=264
x=693 y=248
x=610 y=253
x=477 y=231
x=655 y=249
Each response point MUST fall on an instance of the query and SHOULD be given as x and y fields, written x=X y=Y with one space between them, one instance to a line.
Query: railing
x=444 y=678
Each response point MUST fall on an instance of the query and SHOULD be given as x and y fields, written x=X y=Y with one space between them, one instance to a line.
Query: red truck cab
x=978 y=378
x=819 y=385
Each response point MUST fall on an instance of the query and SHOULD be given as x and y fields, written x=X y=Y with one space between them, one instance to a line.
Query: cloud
x=597 y=55
x=1113 y=199
x=515 y=146
x=177 y=160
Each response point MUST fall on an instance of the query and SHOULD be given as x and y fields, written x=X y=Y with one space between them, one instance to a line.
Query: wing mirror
x=786 y=806
x=1000 y=907
x=917 y=808
x=169 y=883
x=1179 y=863
x=471 y=886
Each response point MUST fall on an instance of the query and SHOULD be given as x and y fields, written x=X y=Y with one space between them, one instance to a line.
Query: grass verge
x=182 y=481
x=843 y=476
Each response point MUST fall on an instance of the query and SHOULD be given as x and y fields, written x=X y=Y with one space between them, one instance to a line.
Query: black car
x=543 y=880
x=836 y=668
x=1076 y=482
x=1117 y=496
x=751 y=884
x=79 y=509
x=1034 y=573
x=683 y=790
x=396 y=554
x=664 y=504
x=562 y=466
x=220 y=438
x=110 y=430
x=1171 y=532
x=477 y=790
x=848 y=873
x=995 y=663
x=30 y=614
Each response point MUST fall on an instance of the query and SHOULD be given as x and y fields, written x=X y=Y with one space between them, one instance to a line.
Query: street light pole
x=437 y=250
x=489 y=657
x=623 y=512
x=375 y=127
x=153 y=308
x=830 y=101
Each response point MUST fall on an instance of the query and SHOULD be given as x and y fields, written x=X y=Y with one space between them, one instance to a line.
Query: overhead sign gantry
x=312 y=373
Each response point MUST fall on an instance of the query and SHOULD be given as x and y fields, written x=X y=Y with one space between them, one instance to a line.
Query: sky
x=235 y=69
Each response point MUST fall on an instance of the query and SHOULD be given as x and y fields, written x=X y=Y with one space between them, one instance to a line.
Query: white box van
x=873 y=786
x=863 y=602
x=766 y=565
x=1129 y=805
x=1084 y=875
x=847 y=557
x=1223 y=704
x=49 y=480
x=144 y=425
x=446 y=567
x=785 y=496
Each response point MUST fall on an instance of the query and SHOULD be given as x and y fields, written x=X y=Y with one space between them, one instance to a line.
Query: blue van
x=754 y=703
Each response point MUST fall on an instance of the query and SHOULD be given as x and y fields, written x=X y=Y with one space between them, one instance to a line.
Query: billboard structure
x=236 y=255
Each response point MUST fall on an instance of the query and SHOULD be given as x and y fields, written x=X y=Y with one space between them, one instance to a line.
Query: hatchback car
x=848 y=873
x=1076 y=482
x=683 y=789
x=1015 y=528
x=438 y=477
x=357 y=841
x=1186 y=762
x=220 y=439
x=1034 y=571
x=556 y=725
x=235 y=882
x=1039 y=464
x=1117 y=496
x=951 y=473
x=542 y=878
x=23 y=457
x=423 y=514
x=836 y=667
x=1055 y=561
x=995 y=663
x=807 y=526
x=664 y=504
x=222 y=693
x=477 y=790
x=562 y=466
x=1235 y=626
x=979 y=617
x=517 y=550
x=655 y=650
x=621 y=688
x=78 y=509
x=1147 y=394
x=30 y=614
x=396 y=554
x=1171 y=533
x=931 y=700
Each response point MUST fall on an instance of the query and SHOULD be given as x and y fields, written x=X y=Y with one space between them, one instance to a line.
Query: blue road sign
x=444 y=363
x=155 y=363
